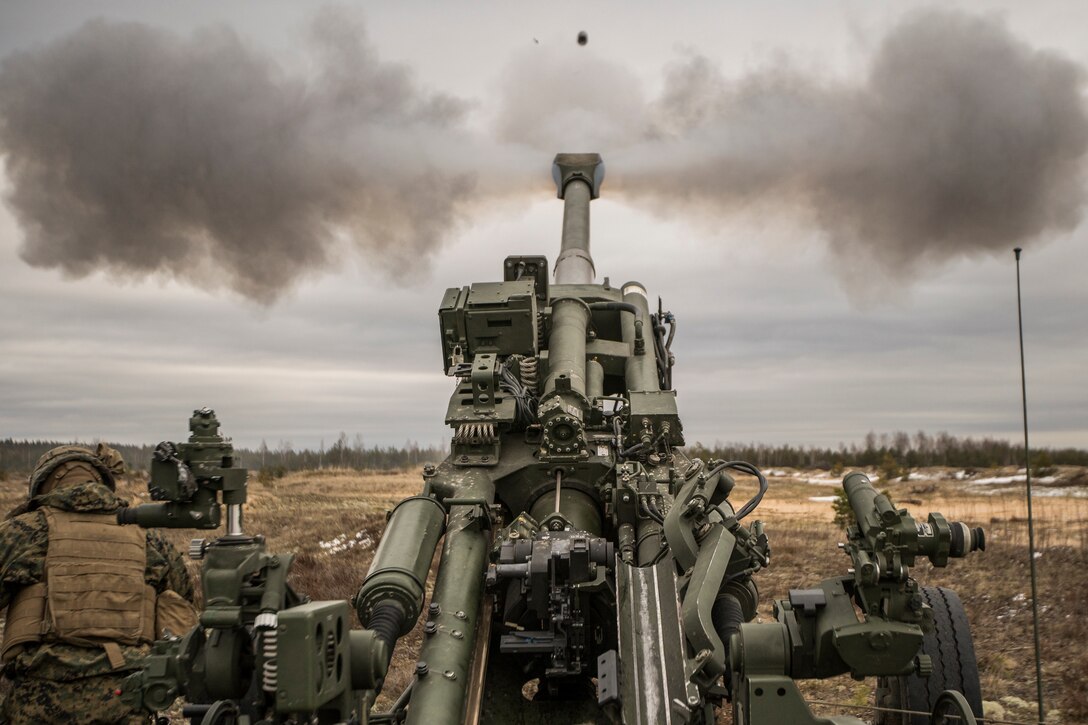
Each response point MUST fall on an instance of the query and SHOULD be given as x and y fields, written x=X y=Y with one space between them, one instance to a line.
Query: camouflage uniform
x=59 y=681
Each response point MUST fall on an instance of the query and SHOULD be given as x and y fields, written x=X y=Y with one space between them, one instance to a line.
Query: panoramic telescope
x=261 y=652
x=590 y=572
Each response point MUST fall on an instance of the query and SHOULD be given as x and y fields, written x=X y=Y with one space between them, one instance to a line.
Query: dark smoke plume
x=137 y=151
x=960 y=139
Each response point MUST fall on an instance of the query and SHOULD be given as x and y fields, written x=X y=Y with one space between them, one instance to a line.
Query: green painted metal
x=590 y=571
x=398 y=573
x=776 y=699
x=576 y=509
x=641 y=368
x=708 y=573
x=260 y=653
x=567 y=349
x=578 y=179
x=656 y=686
x=446 y=656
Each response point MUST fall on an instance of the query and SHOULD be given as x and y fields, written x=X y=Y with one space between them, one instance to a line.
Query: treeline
x=902 y=449
x=879 y=450
x=341 y=454
x=17 y=457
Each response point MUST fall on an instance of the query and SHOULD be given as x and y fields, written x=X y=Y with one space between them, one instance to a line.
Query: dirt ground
x=333 y=519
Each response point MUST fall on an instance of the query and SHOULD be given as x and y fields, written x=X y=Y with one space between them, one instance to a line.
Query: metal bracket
x=608 y=680
x=483 y=383
x=475 y=444
x=533 y=267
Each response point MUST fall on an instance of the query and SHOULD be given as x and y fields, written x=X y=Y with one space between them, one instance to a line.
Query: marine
x=84 y=596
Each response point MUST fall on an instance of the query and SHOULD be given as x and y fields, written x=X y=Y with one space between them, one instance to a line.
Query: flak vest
x=93 y=593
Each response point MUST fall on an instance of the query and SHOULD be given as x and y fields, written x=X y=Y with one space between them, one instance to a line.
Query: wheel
x=952 y=652
x=220 y=712
x=952 y=709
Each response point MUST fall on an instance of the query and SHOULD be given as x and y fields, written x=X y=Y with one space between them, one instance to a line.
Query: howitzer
x=590 y=570
x=261 y=653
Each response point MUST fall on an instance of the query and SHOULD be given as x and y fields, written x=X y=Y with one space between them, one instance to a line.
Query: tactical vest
x=93 y=593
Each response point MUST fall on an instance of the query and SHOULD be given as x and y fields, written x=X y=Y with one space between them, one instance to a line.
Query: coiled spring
x=475 y=434
x=269 y=669
x=527 y=368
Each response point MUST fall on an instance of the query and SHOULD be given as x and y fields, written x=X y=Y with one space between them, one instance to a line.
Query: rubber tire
x=952 y=652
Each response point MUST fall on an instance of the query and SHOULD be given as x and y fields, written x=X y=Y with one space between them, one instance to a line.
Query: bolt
x=450 y=675
x=693 y=700
x=434 y=610
x=460 y=615
x=421 y=669
x=430 y=627
x=464 y=459
x=457 y=634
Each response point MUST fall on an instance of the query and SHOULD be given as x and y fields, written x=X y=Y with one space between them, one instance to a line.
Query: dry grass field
x=333 y=519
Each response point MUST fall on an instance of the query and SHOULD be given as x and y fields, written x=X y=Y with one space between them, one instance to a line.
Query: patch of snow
x=1000 y=486
x=993 y=491
x=1059 y=492
x=996 y=479
x=1019 y=478
x=343 y=542
x=820 y=479
x=823 y=499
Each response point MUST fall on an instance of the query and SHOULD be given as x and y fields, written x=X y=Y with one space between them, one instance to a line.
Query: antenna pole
x=1031 y=519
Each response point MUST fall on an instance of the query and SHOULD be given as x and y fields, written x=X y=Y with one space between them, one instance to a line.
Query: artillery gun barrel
x=578 y=180
x=574 y=264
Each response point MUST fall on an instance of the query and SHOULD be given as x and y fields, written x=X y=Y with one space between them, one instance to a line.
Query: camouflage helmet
x=105 y=460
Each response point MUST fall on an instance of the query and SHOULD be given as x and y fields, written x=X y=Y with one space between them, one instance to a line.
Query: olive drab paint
x=590 y=571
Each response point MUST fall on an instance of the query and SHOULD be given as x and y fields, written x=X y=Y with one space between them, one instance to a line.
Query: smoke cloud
x=960 y=140
x=138 y=151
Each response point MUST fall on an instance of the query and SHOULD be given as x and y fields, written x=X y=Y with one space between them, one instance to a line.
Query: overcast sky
x=782 y=336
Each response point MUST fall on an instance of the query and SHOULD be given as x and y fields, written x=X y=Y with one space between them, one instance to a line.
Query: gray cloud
x=961 y=139
x=957 y=139
x=140 y=151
